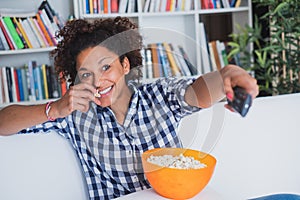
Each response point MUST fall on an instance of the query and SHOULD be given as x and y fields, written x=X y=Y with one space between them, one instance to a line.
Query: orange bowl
x=177 y=183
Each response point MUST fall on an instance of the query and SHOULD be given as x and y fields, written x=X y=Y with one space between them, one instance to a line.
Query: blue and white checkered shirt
x=110 y=153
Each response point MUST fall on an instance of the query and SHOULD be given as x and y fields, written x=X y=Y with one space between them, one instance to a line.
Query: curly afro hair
x=119 y=35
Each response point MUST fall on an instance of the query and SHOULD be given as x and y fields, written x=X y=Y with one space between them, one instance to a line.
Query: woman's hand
x=232 y=76
x=78 y=97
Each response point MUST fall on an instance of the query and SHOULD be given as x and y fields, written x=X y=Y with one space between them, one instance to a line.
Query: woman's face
x=101 y=68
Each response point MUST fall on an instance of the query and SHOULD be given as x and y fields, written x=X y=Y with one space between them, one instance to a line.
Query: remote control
x=241 y=102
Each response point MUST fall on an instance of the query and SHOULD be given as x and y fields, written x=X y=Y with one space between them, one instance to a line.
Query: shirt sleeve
x=174 y=90
x=59 y=125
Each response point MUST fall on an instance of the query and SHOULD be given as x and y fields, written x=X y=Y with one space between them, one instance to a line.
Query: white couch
x=256 y=155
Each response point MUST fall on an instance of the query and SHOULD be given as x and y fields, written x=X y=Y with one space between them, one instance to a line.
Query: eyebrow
x=99 y=62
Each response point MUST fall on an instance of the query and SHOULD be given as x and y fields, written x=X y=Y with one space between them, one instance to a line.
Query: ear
x=126 y=65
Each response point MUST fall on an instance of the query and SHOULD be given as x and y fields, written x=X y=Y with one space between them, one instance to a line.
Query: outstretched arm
x=17 y=117
x=214 y=86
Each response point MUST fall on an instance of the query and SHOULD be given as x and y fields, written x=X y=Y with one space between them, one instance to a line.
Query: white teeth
x=105 y=91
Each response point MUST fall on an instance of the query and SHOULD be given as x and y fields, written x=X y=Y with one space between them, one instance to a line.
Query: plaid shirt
x=110 y=153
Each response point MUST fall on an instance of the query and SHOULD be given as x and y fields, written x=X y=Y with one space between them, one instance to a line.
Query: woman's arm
x=213 y=87
x=17 y=117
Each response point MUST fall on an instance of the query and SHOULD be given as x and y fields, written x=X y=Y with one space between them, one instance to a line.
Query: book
x=100 y=6
x=131 y=7
x=184 y=68
x=3 y=40
x=52 y=26
x=105 y=6
x=22 y=33
x=30 y=81
x=45 y=82
x=205 y=56
x=149 y=67
x=147 y=6
x=114 y=6
x=44 y=29
x=6 y=98
x=1 y=89
x=30 y=34
x=155 y=63
x=49 y=81
x=54 y=81
x=1 y=45
x=216 y=54
x=123 y=6
x=24 y=83
x=37 y=82
x=174 y=68
x=143 y=54
x=9 y=84
x=12 y=30
x=36 y=32
x=7 y=35
x=95 y=6
x=86 y=6
x=164 y=60
x=13 y=85
x=40 y=32
x=17 y=84
x=237 y=3
x=212 y=57
x=191 y=67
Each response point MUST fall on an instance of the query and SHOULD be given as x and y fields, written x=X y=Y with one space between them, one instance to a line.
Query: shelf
x=26 y=51
x=223 y=10
x=153 y=14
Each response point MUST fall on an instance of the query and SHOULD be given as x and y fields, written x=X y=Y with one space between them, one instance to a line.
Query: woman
x=109 y=121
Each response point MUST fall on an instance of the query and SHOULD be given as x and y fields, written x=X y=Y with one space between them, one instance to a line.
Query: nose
x=98 y=80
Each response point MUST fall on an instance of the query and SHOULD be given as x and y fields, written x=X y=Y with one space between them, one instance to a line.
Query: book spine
x=11 y=28
x=175 y=70
x=1 y=45
x=14 y=85
x=40 y=32
x=7 y=35
x=35 y=32
x=51 y=26
x=5 y=85
x=9 y=84
x=3 y=39
x=45 y=83
x=155 y=63
x=30 y=75
x=44 y=29
x=95 y=6
x=114 y=6
x=192 y=68
x=149 y=63
x=22 y=33
x=31 y=37
x=24 y=84
x=19 y=87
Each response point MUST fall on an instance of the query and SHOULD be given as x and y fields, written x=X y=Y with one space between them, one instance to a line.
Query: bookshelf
x=181 y=26
x=20 y=57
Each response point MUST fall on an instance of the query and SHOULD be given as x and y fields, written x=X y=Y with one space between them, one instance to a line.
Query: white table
x=207 y=193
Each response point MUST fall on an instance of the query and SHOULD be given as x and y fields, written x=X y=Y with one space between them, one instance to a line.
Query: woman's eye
x=85 y=75
x=105 y=67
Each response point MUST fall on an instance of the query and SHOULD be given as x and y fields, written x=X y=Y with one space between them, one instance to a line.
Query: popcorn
x=97 y=94
x=178 y=162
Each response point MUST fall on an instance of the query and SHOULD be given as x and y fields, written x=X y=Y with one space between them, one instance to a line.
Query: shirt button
x=135 y=178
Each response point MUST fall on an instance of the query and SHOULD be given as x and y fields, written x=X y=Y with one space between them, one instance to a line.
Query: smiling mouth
x=103 y=92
